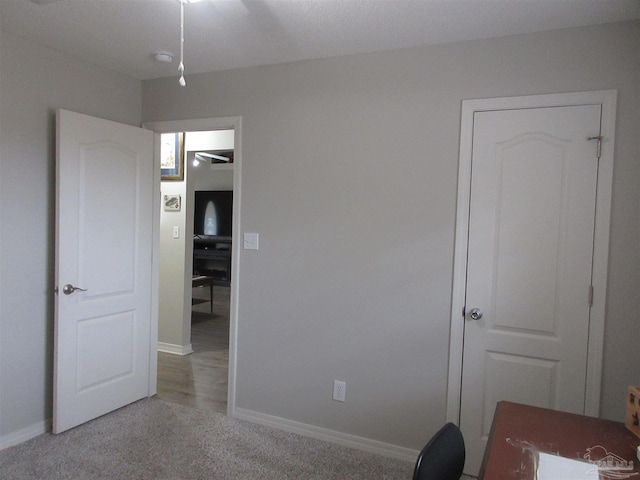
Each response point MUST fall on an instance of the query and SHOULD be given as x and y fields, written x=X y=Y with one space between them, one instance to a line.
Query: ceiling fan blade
x=214 y=158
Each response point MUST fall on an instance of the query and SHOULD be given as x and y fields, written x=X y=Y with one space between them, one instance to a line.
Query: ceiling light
x=163 y=57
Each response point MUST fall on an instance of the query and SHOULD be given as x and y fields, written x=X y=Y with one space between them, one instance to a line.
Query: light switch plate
x=251 y=241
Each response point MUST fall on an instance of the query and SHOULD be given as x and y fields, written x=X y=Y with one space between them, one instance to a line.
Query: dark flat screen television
x=213 y=213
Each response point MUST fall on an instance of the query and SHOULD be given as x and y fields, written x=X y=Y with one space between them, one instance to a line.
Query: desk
x=519 y=432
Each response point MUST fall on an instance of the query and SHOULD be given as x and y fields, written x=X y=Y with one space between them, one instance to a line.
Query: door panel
x=530 y=247
x=104 y=232
x=113 y=198
x=95 y=363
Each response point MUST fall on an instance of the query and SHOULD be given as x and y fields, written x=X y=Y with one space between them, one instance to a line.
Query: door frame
x=605 y=98
x=206 y=124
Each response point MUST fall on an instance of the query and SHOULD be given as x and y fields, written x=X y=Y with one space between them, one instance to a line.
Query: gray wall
x=349 y=175
x=34 y=81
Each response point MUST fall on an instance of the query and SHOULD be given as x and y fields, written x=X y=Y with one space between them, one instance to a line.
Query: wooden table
x=520 y=432
x=201 y=281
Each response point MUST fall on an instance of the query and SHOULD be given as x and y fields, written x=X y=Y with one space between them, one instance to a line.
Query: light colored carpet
x=153 y=439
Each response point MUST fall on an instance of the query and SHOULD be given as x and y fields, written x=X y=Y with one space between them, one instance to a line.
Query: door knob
x=68 y=289
x=475 y=314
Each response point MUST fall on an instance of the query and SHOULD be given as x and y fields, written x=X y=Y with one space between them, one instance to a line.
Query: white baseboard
x=175 y=349
x=339 y=438
x=25 y=434
x=319 y=433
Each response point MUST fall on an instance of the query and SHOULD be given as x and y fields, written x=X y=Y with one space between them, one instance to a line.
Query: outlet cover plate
x=339 y=390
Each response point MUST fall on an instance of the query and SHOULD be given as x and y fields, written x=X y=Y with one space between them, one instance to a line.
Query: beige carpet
x=152 y=439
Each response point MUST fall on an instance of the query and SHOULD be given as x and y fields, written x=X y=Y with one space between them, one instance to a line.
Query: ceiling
x=224 y=34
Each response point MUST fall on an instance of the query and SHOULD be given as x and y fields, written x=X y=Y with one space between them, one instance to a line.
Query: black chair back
x=443 y=457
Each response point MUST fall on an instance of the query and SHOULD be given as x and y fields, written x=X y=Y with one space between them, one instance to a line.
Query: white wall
x=349 y=175
x=34 y=81
x=173 y=328
x=210 y=140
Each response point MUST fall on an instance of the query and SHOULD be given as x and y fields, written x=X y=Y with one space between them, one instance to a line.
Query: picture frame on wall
x=172 y=156
x=171 y=203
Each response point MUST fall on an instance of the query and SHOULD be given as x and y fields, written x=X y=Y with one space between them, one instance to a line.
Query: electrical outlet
x=339 y=390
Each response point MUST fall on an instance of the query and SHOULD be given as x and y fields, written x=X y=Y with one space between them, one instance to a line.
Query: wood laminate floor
x=200 y=379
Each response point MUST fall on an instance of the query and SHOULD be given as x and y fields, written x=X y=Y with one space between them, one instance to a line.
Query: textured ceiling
x=225 y=34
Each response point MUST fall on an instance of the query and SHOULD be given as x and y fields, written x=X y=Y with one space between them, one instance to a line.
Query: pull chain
x=181 y=81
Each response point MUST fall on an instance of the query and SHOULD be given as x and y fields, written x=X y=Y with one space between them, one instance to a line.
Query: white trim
x=174 y=349
x=332 y=436
x=606 y=98
x=20 y=436
x=221 y=123
x=601 y=252
x=155 y=272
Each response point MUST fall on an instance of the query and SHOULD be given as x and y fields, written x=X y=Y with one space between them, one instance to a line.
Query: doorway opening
x=197 y=300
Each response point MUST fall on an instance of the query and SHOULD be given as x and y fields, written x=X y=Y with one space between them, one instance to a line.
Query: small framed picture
x=172 y=156
x=171 y=203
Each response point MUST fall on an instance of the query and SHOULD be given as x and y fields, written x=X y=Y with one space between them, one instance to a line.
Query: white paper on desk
x=554 y=467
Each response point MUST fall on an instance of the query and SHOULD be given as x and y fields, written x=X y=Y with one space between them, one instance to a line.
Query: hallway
x=200 y=379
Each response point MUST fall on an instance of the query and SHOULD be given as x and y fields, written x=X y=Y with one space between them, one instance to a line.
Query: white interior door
x=529 y=266
x=104 y=238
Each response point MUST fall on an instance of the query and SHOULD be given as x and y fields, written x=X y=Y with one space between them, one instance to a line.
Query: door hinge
x=590 y=295
x=464 y=311
x=599 y=147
